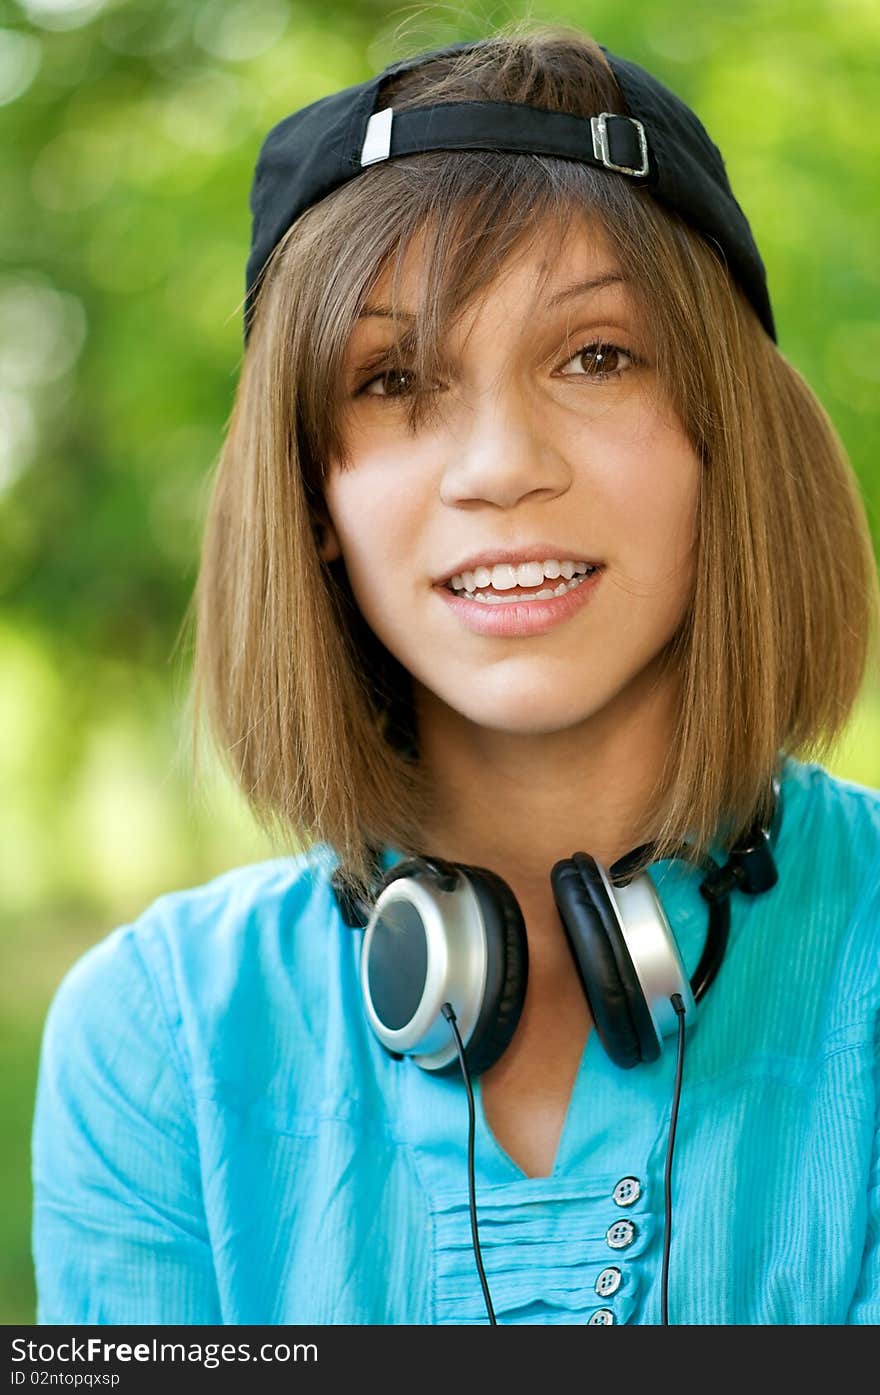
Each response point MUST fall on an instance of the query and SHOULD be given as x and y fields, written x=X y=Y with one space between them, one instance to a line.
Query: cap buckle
x=599 y=128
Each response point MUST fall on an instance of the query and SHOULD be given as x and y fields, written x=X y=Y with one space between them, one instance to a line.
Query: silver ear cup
x=424 y=947
x=655 y=956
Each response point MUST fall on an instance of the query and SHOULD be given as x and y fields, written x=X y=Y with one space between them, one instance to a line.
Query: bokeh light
x=20 y=56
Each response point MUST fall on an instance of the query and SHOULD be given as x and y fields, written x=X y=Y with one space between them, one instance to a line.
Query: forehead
x=555 y=254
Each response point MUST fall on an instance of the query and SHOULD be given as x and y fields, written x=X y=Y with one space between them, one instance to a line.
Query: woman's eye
x=391 y=382
x=601 y=360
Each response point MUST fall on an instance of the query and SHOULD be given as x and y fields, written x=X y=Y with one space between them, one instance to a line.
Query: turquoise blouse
x=218 y=1137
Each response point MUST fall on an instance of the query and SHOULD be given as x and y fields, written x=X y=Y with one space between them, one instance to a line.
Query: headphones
x=438 y=932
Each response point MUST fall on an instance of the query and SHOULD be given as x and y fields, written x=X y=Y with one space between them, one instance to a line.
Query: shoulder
x=202 y=966
x=211 y=927
x=841 y=811
x=830 y=831
x=260 y=914
x=827 y=903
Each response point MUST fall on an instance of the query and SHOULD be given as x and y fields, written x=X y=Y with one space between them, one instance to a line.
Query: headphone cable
x=676 y=1095
x=449 y=1014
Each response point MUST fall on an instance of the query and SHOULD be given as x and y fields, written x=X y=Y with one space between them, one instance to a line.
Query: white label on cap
x=377 y=142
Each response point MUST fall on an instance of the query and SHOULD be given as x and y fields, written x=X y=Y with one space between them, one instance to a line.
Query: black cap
x=659 y=144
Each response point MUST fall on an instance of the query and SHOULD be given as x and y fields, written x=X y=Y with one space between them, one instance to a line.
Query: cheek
x=362 y=518
x=660 y=512
x=651 y=482
x=378 y=527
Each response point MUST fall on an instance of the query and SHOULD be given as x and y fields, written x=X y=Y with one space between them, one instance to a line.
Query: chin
x=536 y=714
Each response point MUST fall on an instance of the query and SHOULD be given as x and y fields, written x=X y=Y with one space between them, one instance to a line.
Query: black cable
x=449 y=1014
x=678 y=1005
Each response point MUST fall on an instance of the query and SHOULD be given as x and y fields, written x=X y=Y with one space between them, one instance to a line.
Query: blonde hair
x=310 y=712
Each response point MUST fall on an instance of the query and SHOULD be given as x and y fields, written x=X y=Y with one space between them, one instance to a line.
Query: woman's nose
x=500 y=451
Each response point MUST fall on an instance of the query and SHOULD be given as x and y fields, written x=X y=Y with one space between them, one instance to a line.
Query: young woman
x=518 y=344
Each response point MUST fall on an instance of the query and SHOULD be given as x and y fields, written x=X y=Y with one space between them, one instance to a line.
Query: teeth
x=545 y=595
x=504 y=576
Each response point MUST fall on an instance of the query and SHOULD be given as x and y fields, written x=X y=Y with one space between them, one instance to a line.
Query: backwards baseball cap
x=659 y=144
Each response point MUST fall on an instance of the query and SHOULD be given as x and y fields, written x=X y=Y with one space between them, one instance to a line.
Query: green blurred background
x=128 y=134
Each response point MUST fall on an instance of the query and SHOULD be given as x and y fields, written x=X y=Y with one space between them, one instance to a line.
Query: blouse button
x=602 y=1317
x=608 y=1281
x=620 y=1234
x=628 y=1190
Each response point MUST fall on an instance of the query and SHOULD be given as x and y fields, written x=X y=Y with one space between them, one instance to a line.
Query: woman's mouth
x=521 y=610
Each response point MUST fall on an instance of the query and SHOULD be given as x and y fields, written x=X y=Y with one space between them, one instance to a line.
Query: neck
x=516 y=803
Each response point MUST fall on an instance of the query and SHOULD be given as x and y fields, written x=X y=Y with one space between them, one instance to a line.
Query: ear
x=327 y=539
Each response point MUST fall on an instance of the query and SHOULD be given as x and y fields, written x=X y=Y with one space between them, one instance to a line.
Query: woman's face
x=541 y=444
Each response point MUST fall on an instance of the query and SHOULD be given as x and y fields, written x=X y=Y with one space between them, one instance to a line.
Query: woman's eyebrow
x=595 y=283
x=385 y=312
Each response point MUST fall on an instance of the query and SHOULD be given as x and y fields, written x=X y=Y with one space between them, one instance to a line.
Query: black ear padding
x=507 y=970
x=620 y=1010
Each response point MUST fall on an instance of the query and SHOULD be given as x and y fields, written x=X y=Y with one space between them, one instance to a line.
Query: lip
x=509 y=621
x=529 y=552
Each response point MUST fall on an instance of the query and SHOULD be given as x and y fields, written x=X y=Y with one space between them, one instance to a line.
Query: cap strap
x=607 y=141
